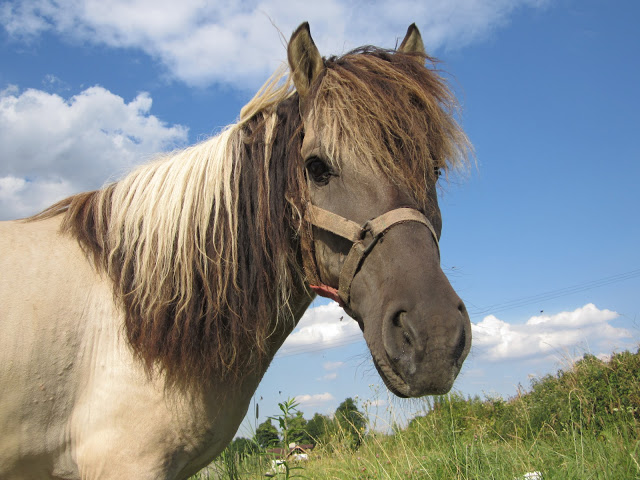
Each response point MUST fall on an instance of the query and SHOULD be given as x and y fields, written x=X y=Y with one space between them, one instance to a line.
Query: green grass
x=430 y=450
x=583 y=423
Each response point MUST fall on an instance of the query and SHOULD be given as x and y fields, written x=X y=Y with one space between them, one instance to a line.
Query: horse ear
x=412 y=42
x=304 y=58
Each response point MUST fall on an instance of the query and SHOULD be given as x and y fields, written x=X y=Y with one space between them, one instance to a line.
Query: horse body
x=136 y=321
x=75 y=403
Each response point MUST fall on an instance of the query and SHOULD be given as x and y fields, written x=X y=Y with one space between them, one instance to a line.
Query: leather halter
x=363 y=237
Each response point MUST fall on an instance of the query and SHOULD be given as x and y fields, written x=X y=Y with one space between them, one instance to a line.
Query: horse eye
x=318 y=170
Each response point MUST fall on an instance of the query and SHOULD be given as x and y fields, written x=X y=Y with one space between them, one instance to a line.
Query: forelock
x=388 y=110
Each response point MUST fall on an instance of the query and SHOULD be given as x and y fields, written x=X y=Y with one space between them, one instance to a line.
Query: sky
x=540 y=237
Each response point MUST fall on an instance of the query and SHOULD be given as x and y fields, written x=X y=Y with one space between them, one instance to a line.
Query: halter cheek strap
x=363 y=238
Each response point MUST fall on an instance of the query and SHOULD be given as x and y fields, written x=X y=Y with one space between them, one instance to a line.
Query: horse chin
x=395 y=381
x=392 y=380
x=399 y=387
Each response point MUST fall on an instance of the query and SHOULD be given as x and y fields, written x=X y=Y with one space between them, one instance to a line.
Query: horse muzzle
x=416 y=326
x=423 y=355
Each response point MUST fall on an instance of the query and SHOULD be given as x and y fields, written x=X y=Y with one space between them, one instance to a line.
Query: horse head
x=377 y=133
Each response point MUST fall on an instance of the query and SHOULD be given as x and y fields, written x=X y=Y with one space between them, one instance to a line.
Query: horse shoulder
x=69 y=386
x=44 y=286
x=73 y=399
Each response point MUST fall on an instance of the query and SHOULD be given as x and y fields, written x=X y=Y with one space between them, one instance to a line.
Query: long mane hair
x=194 y=241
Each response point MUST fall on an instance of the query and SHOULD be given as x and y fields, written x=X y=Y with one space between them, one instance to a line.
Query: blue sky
x=540 y=240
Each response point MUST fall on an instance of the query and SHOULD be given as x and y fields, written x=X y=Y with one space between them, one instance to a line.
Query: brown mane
x=195 y=242
x=386 y=109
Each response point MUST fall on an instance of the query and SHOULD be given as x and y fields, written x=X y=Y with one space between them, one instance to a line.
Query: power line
x=552 y=294
x=347 y=340
x=494 y=308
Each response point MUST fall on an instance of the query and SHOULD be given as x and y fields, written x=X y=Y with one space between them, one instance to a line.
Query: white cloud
x=322 y=327
x=52 y=83
x=494 y=339
x=329 y=377
x=332 y=365
x=20 y=197
x=235 y=42
x=51 y=147
x=307 y=400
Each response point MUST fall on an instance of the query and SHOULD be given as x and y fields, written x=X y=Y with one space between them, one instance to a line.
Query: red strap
x=327 y=292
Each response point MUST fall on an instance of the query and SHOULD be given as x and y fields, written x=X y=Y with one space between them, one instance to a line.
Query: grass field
x=583 y=423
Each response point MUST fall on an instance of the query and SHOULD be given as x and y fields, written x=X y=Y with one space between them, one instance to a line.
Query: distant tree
x=318 y=427
x=351 y=420
x=266 y=435
x=298 y=429
x=347 y=412
x=243 y=447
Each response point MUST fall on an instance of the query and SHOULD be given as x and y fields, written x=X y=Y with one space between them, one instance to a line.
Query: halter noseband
x=363 y=237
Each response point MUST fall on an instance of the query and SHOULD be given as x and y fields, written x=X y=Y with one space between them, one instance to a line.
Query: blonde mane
x=194 y=241
x=190 y=243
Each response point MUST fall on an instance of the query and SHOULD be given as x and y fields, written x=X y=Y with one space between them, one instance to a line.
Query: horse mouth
x=399 y=386
x=392 y=379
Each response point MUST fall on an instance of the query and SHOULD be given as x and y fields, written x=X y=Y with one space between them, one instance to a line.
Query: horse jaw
x=416 y=327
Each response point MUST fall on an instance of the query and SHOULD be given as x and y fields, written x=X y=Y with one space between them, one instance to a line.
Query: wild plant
x=288 y=409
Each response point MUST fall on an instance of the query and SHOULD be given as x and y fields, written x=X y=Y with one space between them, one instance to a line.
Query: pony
x=138 y=320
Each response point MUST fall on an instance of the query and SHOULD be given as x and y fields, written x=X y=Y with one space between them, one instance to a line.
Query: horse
x=137 y=320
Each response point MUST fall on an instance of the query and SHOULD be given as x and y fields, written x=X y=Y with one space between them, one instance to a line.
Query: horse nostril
x=407 y=337
x=399 y=321
x=395 y=321
x=457 y=353
x=461 y=308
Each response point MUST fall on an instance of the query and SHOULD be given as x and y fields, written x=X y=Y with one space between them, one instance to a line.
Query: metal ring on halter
x=364 y=238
